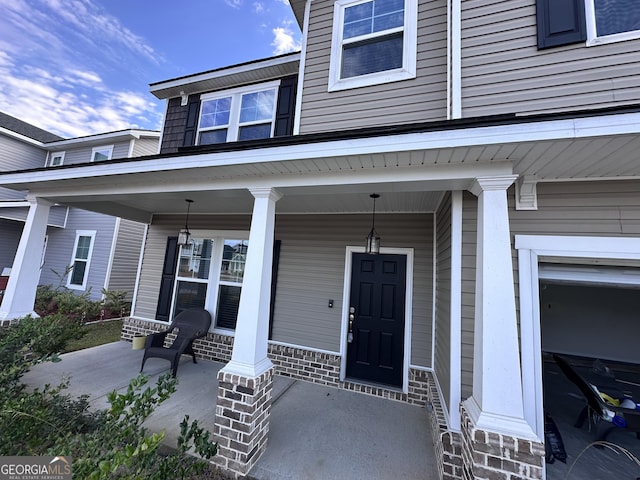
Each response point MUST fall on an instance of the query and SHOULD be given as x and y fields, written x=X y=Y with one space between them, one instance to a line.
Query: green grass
x=97 y=334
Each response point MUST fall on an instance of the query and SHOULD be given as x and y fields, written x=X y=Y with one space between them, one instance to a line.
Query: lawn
x=98 y=333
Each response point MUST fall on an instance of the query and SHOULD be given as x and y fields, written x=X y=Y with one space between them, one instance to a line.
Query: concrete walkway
x=315 y=432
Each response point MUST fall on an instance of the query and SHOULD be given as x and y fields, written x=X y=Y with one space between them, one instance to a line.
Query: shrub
x=104 y=444
x=78 y=305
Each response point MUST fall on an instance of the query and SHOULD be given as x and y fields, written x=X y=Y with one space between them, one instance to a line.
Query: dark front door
x=375 y=351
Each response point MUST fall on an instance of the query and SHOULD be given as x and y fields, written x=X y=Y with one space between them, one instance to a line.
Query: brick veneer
x=242 y=420
x=446 y=443
x=493 y=456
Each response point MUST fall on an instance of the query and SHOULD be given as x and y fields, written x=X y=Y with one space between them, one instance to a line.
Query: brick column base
x=494 y=456
x=242 y=420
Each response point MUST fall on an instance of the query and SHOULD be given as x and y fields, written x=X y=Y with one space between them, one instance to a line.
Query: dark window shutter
x=286 y=107
x=166 y=283
x=274 y=282
x=560 y=22
x=193 y=110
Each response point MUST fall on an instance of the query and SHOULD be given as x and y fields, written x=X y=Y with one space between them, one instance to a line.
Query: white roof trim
x=102 y=138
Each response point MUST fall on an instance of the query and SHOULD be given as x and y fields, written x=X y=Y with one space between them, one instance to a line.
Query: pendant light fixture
x=373 y=239
x=185 y=234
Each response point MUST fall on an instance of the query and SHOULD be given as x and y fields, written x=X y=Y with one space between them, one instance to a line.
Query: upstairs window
x=373 y=42
x=239 y=114
x=99 y=154
x=56 y=159
x=612 y=20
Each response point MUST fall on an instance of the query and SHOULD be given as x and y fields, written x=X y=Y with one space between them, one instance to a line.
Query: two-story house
x=83 y=251
x=402 y=188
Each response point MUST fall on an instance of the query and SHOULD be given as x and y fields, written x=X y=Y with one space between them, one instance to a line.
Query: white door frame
x=408 y=304
x=530 y=248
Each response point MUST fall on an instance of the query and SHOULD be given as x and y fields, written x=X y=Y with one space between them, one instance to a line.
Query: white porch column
x=20 y=294
x=249 y=357
x=496 y=404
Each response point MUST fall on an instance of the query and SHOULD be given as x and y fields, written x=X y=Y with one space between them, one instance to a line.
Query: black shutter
x=286 y=107
x=274 y=282
x=166 y=283
x=193 y=109
x=560 y=22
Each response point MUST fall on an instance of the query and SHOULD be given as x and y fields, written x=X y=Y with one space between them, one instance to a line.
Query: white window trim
x=592 y=35
x=213 y=282
x=102 y=148
x=52 y=155
x=530 y=248
x=409 y=50
x=81 y=233
x=233 y=128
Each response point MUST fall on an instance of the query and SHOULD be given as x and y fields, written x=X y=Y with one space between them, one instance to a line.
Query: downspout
x=454 y=60
x=303 y=58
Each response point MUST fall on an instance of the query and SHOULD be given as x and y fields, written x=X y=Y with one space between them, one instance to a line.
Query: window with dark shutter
x=560 y=22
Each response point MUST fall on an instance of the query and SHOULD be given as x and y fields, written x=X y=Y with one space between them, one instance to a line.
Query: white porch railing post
x=249 y=357
x=496 y=403
x=20 y=294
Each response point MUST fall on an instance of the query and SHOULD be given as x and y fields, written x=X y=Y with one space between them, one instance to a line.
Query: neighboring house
x=84 y=251
x=502 y=138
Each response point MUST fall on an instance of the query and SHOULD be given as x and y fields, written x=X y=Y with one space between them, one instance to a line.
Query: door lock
x=352 y=317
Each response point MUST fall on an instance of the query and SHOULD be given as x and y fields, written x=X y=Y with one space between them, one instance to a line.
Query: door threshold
x=362 y=384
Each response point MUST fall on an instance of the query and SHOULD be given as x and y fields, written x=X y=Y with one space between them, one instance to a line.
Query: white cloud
x=234 y=3
x=284 y=41
x=258 y=7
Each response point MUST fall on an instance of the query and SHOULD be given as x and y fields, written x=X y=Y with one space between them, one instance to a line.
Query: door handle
x=352 y=317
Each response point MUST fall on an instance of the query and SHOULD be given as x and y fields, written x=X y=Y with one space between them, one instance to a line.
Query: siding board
x=442 y=345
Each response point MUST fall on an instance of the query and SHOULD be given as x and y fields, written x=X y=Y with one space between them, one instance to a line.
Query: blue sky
x=78 y=67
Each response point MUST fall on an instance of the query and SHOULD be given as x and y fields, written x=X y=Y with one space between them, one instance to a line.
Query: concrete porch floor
x=316 y=432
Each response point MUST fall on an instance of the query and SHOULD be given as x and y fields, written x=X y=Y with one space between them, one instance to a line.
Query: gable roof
x=26 y=129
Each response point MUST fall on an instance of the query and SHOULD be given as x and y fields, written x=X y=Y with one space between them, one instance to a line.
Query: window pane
x=98 y=156
x=77 y=274
x=195 y=260
x=257 y=106
x=371 y=17
x=213 y=136
x=215 y=112
x=234 y=257
x=228 y=303
x=82 y=251
x=255 y=132
x=190 y=295
x=376 y=55
x=617 y=16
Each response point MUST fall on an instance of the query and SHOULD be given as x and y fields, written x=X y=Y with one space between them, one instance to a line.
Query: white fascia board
x=22 y=138
x=102 y=137
x=224 y=72
x=467 y=137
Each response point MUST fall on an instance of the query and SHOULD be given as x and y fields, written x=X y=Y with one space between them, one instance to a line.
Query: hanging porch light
x=184 y=234
x=373 y=239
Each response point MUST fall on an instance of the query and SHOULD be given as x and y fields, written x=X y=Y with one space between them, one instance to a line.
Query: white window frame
x=108 y=149
x=530 y=248
x=409 y=50
x=53 y=156
x=233 y=128
x=592 y=35
x=81 y=233
x=213 y=282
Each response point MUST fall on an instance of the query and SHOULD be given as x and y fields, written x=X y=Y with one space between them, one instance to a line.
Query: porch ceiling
x=409 y=170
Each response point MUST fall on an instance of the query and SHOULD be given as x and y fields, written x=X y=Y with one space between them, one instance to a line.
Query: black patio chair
x=597 y=409
x=191 y=324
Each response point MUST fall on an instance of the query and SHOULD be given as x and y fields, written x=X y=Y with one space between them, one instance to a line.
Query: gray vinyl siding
x=443 y=299
x=9 y=194
x=504 y=72
x=17 y=155
x=311 y=271
x=421 y=99
x=9 y=239
x=469 y=233
x=57 y=214
x=124 y=267
x=145 y=146
x=60 y=250
x=83 y=154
